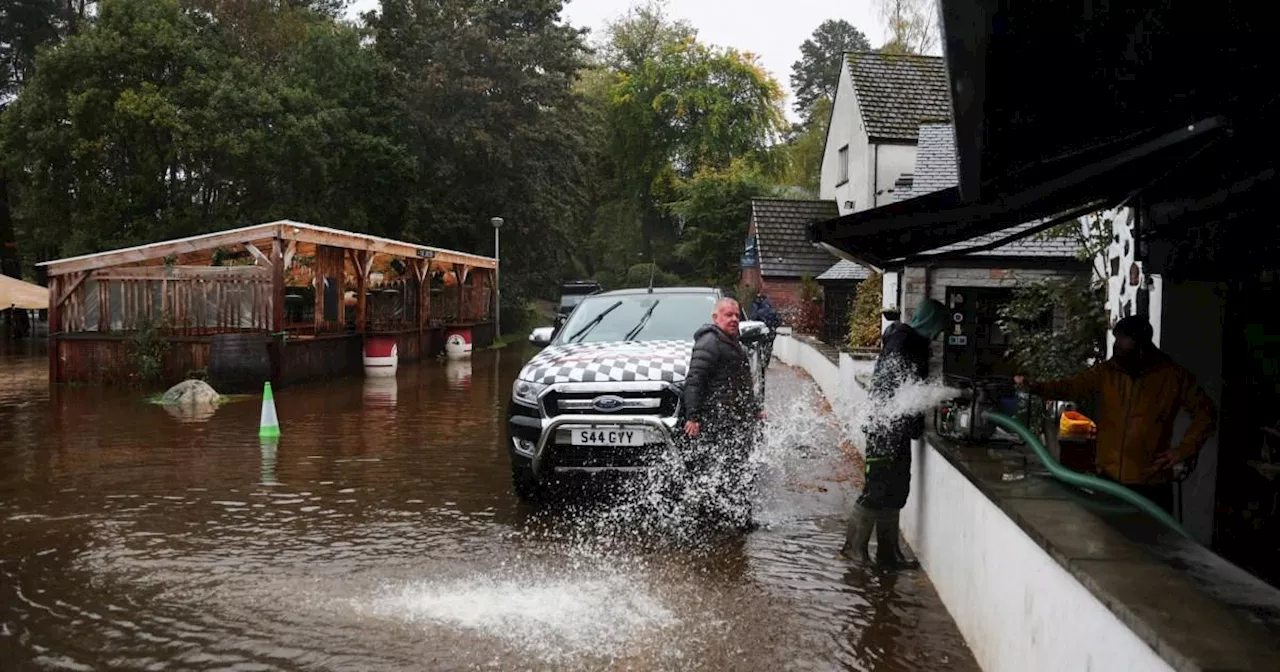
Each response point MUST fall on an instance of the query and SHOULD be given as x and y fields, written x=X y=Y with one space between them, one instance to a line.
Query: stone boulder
x=191 y=393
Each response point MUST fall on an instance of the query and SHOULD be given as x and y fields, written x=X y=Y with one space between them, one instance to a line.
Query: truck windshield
x=673 y=317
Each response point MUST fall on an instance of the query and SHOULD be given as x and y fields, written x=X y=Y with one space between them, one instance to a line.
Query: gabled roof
x=782 y=233
x=845 y=270
x=897 y=92
x=936 y=170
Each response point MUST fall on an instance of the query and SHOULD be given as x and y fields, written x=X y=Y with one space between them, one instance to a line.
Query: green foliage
x=864 y=318
x=672 y=109
x=715 y=207
x=817 y=73
x=147 y=347
x=1058 y=327
x=142 y=120
x=1045 y=345
x=802 y=154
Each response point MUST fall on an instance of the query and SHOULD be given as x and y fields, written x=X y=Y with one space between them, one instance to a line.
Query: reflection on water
x=269 y=446
x=379 y=533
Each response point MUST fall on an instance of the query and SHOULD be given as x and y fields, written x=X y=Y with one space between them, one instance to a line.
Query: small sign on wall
x=958 y=340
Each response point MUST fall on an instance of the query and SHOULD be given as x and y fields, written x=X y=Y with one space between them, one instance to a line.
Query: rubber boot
x=889 y=554
x=858 y=536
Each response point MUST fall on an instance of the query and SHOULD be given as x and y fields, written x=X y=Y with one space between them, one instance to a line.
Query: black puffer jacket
x=904 y=356
x=718 y=390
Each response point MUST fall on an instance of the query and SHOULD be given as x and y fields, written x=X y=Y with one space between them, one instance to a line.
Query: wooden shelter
x=313 y=293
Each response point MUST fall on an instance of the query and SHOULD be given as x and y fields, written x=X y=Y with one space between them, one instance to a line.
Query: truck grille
x=661 y=403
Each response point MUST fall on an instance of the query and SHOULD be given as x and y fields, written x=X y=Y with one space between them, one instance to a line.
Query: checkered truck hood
x=666 y=361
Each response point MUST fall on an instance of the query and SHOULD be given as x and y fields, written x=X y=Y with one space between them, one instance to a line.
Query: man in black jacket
x=904 y=357
x=720 y=405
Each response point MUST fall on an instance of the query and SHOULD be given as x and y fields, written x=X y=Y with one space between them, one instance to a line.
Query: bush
x=864 y=319
x=1045 y=348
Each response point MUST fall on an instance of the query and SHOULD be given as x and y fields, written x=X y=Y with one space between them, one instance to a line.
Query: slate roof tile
x=896 y=92
x=845 y=270
x=783 y=236
x=936 y=170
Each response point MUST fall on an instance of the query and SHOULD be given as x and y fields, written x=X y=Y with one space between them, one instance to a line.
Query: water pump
x=963 y=418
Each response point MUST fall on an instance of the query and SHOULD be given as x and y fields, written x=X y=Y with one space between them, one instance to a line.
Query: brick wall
x=785 y=293
x=942 y=277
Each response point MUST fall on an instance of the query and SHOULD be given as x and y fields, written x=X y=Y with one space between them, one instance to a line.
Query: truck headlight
x=526 y=392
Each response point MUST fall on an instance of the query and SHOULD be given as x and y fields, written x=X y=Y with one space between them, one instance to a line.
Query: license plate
x=608 y=437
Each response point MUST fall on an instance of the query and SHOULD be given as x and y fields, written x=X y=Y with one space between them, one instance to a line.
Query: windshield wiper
x=577 y=335
x=644 y=319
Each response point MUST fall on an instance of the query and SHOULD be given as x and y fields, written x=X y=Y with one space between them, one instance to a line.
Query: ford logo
x=608 y=403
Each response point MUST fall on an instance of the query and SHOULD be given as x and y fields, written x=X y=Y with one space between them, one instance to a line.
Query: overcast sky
x=771 y=29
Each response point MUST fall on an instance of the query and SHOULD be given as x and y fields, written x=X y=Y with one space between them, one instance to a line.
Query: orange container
x=1075 y=424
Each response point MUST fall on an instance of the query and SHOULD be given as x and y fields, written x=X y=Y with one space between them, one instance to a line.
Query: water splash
x=554 y=618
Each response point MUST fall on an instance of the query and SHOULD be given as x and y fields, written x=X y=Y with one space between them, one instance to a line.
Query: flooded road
x=381 y=533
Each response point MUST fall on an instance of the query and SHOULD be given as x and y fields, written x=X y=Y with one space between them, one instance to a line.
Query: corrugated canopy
x=15 y=293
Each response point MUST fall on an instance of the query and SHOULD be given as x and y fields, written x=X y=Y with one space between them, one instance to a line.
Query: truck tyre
x=527 y=488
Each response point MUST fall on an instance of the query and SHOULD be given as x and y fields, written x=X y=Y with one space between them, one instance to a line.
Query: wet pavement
x=381 y=533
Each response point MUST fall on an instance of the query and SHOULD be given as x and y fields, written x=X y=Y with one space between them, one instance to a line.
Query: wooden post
x=277 y=285
x=320 y=266
x=55 y=292
x=460 y=272
x=493 y=296
x=421 y=273
x=363 y=259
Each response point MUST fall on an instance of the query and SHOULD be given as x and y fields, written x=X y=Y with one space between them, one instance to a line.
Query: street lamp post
x=497 y=291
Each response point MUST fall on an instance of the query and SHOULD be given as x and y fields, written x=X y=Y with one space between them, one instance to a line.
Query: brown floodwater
x=380 y=533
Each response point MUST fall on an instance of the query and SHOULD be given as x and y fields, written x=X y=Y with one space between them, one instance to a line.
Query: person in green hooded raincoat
x=904 y=357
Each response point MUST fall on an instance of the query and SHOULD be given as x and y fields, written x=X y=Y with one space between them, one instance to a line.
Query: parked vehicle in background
x=606 y=392
x=572 y=293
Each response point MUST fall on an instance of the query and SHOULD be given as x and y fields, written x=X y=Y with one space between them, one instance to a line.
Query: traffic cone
x=269 y=425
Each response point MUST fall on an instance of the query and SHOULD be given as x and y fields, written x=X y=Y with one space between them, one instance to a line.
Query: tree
x=864 y=318
x=1058 y=327
x=817 y=73
x=686 y=108
x=803 y=152
x=641 y=35
x=486 y=95
x=715 y=207
x=912 y=25
x=151 y=123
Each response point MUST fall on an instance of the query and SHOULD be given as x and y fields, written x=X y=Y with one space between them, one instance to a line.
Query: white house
x=870 y=152
x=880 y=102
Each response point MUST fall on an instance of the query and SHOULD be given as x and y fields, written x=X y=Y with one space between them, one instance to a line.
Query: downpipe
x=1084 y=480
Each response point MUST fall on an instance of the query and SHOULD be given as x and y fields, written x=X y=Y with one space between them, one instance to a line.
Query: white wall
x=824 y=372
x=1121 y=227
x=1017 y=608
x=889 y=294
x=846 y=129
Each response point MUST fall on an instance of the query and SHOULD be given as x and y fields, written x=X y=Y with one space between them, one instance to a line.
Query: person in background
x=762 y=310
x=1141 y=392
x=721 y=408
x=904 y=356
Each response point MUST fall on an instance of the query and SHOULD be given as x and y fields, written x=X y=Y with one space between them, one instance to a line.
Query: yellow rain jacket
x=1136 y=415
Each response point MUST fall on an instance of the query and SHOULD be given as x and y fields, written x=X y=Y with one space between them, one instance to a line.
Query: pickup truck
x=605 y=393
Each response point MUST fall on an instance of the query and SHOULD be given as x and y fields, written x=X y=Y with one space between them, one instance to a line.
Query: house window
x=844 y=165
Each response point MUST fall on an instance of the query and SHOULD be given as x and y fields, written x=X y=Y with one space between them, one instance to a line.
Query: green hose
x=1084 y=480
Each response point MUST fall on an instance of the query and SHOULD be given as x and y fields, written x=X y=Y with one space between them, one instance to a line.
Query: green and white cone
x=269 y=425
